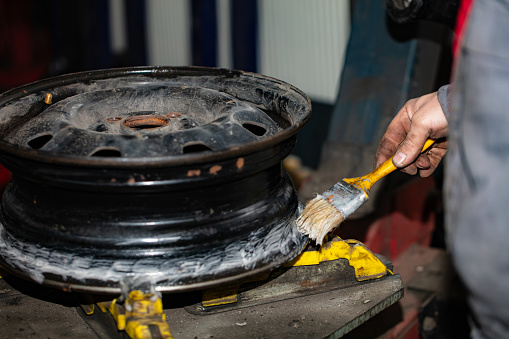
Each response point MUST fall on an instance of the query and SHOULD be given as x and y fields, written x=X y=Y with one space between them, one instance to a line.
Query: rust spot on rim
x=145 y=121
x=240 y=163
x=192 y=173
x=215 y=169
x=173 y=115
x=305 y=283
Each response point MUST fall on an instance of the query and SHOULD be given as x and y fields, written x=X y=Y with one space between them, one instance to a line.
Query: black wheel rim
x=172 y=174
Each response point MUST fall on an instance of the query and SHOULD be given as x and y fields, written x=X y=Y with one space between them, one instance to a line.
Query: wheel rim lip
x=114 y=287
x=152 y=161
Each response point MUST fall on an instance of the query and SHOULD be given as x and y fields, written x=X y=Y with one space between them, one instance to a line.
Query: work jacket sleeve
x=444 y=97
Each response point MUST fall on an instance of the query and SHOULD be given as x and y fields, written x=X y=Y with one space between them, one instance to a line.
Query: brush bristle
x=318 y=218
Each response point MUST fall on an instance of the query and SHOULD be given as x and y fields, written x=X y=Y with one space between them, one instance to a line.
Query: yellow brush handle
x=381 y=171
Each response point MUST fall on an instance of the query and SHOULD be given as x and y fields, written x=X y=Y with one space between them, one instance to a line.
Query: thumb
x=409 y=149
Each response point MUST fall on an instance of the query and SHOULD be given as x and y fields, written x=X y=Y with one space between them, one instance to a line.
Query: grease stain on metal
x=36 y=261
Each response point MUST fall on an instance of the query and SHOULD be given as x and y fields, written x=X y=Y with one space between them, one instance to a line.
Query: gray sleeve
x=444 y=97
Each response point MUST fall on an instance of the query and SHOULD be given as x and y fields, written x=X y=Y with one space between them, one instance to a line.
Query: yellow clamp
x=366 y=265
x=227 y=294
x=117 y=311
x=140 y=313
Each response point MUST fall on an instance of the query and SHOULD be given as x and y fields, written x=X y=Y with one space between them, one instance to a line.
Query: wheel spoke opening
x=40 y=141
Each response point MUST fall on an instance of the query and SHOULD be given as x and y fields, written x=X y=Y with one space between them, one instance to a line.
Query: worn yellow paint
x=116 y=311
x=143 y=310
x=118 y=314
x=366 y=265
x=220 y=296
x=140 y=311
x=88 y=309
x=227 y=294
x=103 y=306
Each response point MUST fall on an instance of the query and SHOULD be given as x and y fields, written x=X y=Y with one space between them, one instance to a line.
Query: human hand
x=419 y=119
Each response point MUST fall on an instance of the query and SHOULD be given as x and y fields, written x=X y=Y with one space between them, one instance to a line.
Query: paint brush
x=327 y=210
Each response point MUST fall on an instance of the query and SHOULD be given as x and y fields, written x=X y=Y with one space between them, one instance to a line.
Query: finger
x=434 y=155
x=423 y=162
x=410 y=169
x=427 y=172
x=411 y=147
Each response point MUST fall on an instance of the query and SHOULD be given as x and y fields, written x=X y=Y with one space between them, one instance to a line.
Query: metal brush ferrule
x=345 y=198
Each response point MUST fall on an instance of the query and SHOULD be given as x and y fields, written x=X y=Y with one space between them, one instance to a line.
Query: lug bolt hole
x=40 y=141
x=254 y=128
